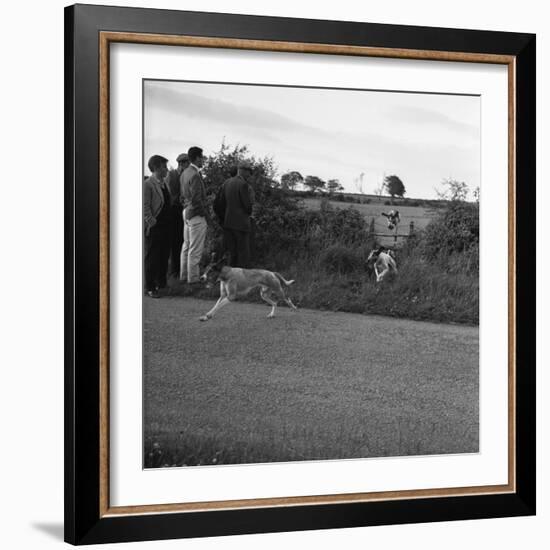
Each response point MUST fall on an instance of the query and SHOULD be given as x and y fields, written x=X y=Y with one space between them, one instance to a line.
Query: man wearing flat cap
x=176 y=219
x=238 y=199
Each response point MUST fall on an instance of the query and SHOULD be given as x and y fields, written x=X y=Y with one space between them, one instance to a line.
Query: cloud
x=419 y=116
x=220 y=111
x=418 y=143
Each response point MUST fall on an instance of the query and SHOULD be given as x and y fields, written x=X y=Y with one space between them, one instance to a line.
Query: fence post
x=411 y=228
x=371 y=226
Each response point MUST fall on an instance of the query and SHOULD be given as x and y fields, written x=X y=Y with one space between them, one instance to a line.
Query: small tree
x=334 y=185
x=313 y=182
x=291 y=179
x=394 y=186
x=359 y=180
x=453 y=190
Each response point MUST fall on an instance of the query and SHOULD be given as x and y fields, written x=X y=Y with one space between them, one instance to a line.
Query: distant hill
x=418 y=215
x=359 y=198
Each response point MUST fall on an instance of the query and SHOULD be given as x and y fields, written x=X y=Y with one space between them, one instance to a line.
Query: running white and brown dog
x=393 y=218
x=383 y=261
x=236 y=282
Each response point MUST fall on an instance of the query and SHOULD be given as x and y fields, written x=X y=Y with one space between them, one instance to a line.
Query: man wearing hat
x=236 y=221
x=176 y=219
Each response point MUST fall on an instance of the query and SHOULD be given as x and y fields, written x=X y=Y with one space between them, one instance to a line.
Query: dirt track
x=307 y=384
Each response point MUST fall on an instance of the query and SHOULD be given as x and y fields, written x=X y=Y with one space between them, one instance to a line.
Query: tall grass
x=290 y=442
x=338 y=280
x=326 y=253
x=422 y=290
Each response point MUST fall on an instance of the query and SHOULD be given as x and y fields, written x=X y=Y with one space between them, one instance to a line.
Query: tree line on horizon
x=393 y=185
x=452 y=190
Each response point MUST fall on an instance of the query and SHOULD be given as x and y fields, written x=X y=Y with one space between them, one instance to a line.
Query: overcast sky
x=422 y=138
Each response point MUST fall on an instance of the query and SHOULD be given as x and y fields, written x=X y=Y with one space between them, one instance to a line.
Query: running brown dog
x=236 y=282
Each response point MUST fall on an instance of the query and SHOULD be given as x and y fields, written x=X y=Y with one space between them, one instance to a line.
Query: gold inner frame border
x=105 y=39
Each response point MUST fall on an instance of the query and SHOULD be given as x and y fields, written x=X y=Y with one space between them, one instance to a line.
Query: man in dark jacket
x=156 y=216
x=238 y=209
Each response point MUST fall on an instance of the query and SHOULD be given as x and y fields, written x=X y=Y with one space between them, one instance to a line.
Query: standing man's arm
x=255 y=205
x=246 y=198
x=197 y=196
x=150 y=220
x=173 y=184
x=182 y=194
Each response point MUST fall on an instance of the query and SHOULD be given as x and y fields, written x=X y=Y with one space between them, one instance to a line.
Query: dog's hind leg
x=284 y=297
x=264 y=293
x=289 y=302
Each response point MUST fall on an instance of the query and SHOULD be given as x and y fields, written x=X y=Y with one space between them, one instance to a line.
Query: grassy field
x=306 y=385
x=419 y=215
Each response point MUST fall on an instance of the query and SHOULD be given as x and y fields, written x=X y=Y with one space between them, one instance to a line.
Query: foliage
x=291 y=179
x=394 y=186
x=281 y=224
x=334 y=185
x=223 y=164
x=314 y=182
x=325 y=250
x=453 y=190
x=340 y=259
x=453 y=236
x=270 y=202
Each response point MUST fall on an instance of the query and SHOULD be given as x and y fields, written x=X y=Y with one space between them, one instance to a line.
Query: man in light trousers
x=195 y=217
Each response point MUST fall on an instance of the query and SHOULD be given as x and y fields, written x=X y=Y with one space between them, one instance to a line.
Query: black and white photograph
x=310 y=273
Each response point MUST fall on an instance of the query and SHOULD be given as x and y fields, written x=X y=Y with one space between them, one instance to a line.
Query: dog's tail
x=282 y=279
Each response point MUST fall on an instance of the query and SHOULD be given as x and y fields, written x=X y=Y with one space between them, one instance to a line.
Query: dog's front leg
x=222 y=300
x=219 y=304
x=381 y=275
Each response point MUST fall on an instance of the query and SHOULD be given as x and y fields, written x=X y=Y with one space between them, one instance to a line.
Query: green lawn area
x=306 y=385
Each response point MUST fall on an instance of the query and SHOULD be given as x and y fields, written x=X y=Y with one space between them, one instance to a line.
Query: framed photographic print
x=300 y=283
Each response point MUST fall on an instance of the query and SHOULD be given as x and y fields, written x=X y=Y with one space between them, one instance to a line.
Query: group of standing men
x=177 y=215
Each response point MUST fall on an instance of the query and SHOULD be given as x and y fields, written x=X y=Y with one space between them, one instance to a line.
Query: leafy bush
x=273 y=206
x=341 y=259
x=454 y=232
x=283 y=227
